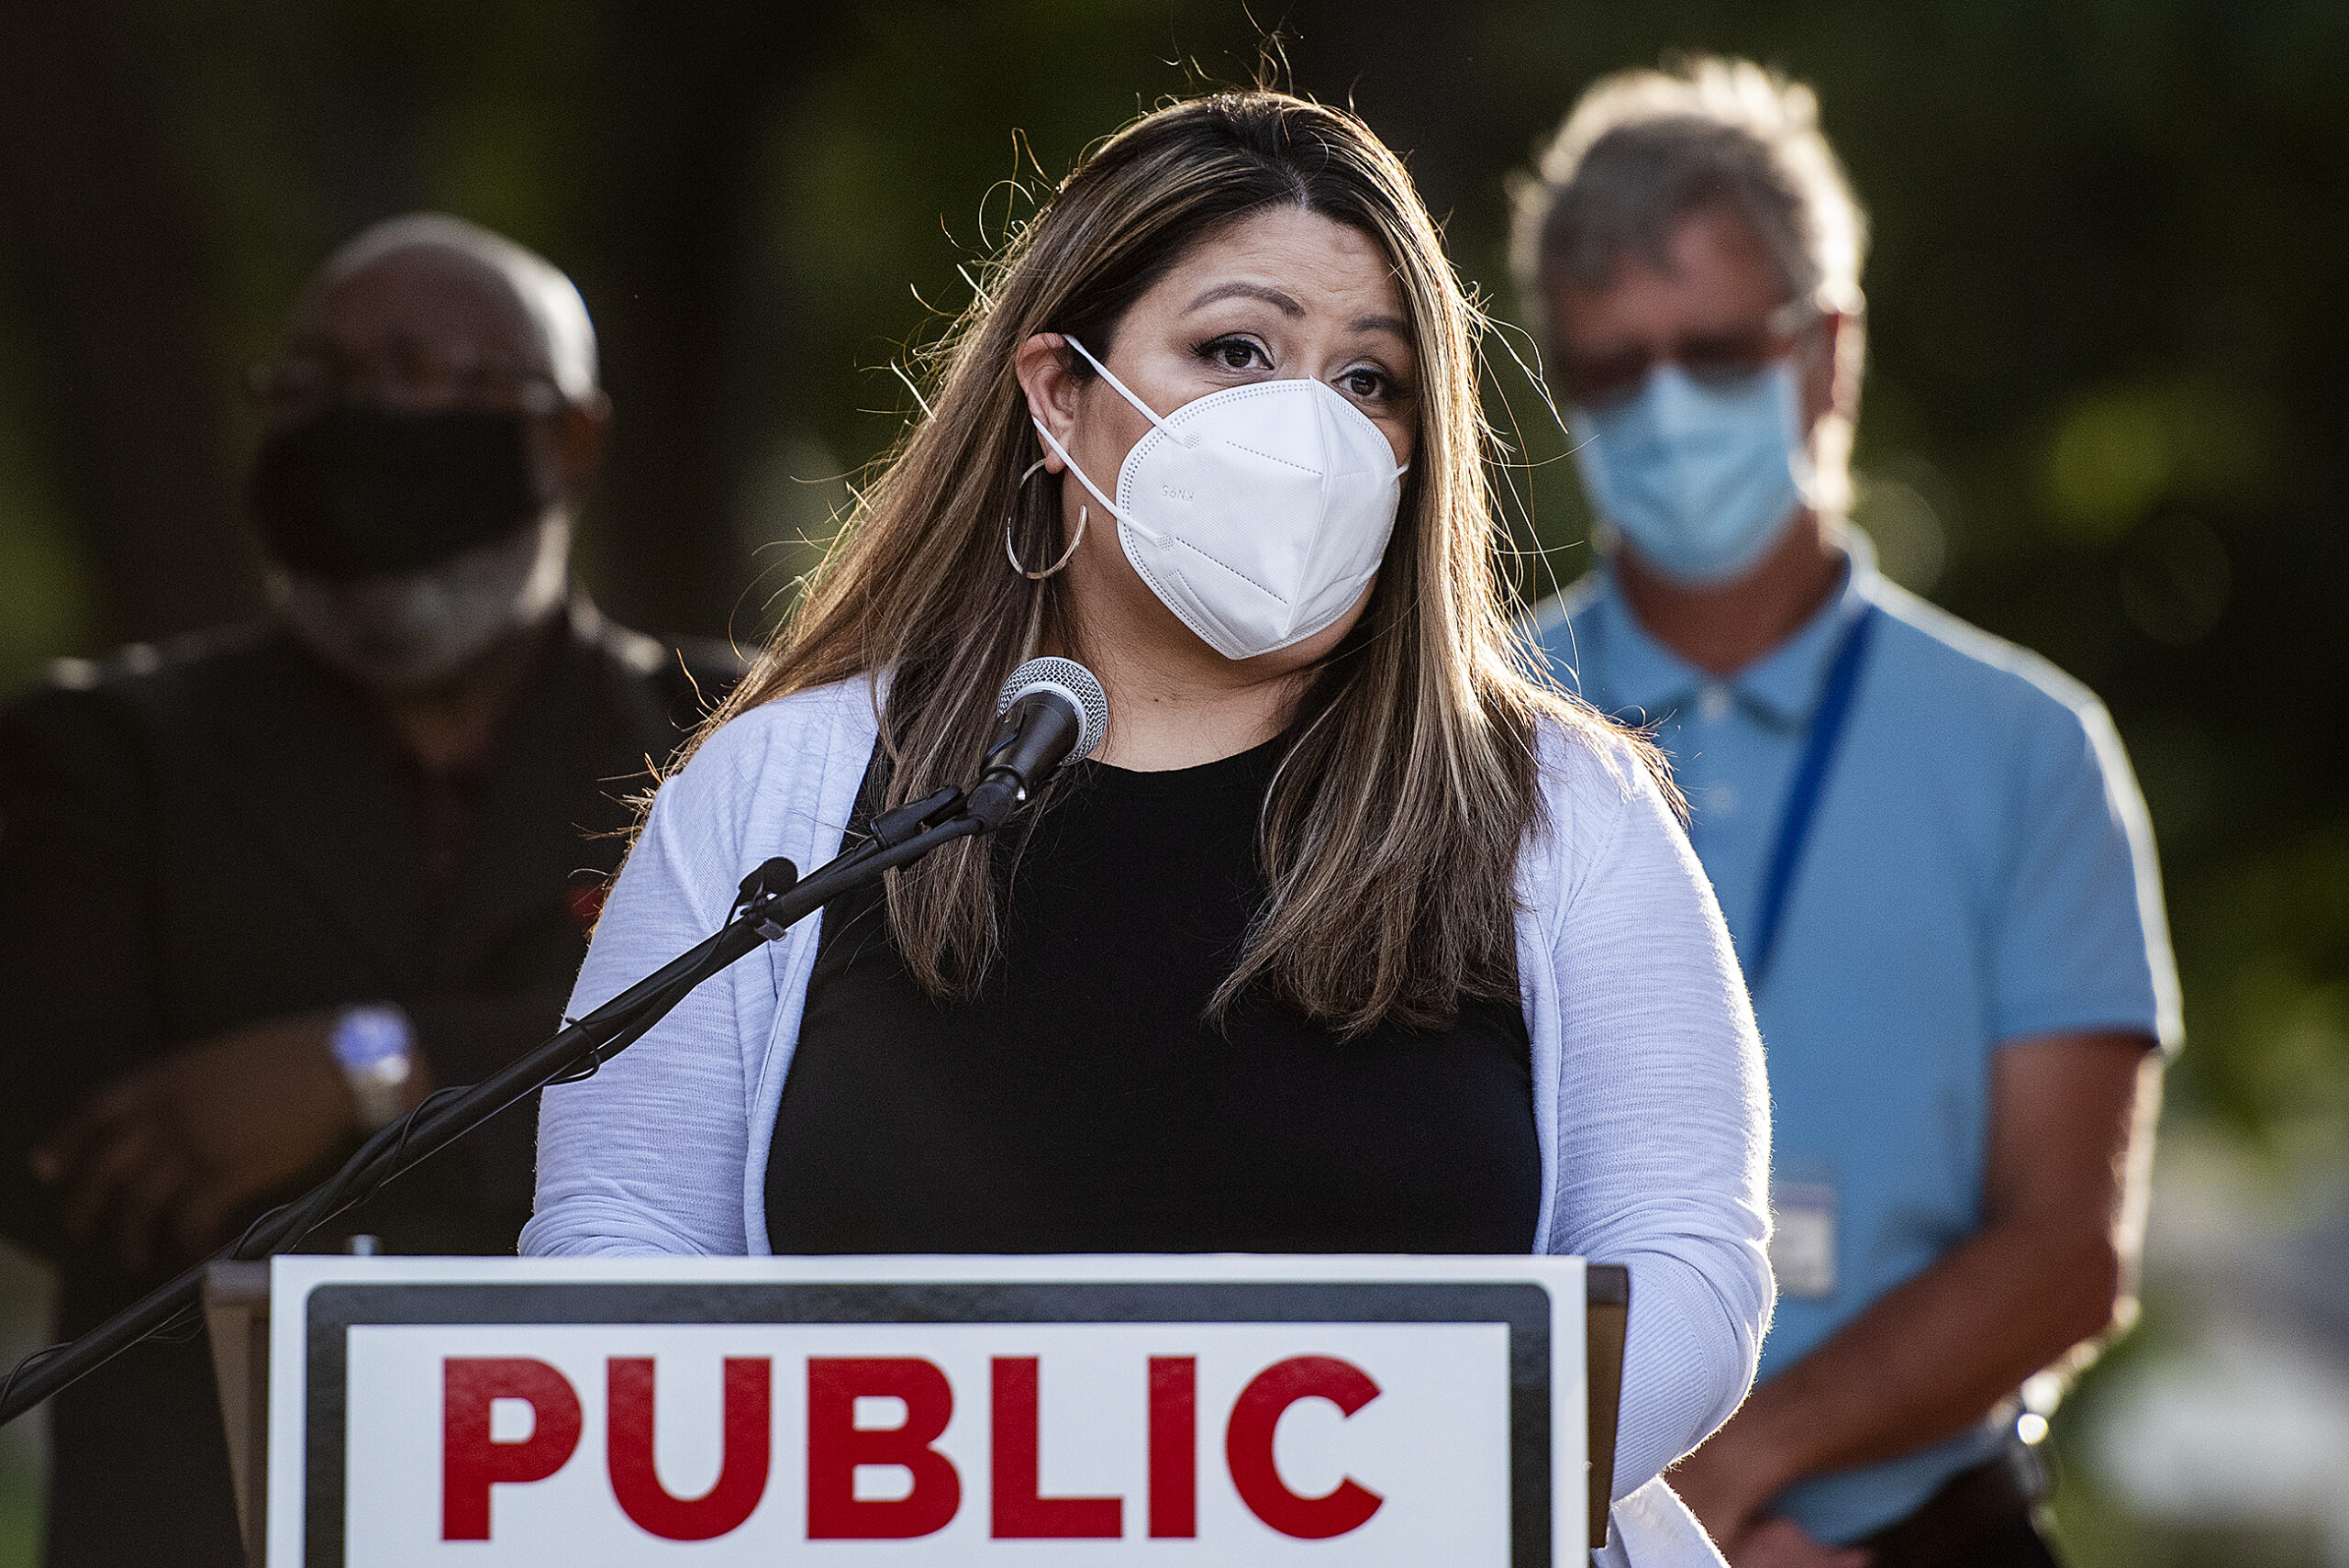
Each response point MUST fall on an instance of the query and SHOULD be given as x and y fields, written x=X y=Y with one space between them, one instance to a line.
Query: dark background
x=2105 y=415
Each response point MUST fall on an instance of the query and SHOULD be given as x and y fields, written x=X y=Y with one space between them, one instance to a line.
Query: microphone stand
x=772 y=899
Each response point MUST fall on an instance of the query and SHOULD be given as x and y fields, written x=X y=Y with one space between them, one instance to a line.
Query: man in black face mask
x=260 y=893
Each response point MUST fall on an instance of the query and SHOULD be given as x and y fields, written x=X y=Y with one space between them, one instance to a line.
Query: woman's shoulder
x=748 y=742
x=1588 y=758
x=781 y=746
x=1595 y=777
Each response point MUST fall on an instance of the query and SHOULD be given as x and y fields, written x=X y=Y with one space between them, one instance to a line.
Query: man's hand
x=1780 y=1542
x=164 y=1157
x=1729 y=1496
x=1726 y=1490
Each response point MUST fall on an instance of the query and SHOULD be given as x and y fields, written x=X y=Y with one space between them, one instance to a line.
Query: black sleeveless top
x=1084 y=1104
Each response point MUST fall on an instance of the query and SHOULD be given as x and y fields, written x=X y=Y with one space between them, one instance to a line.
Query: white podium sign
x=905 y=1412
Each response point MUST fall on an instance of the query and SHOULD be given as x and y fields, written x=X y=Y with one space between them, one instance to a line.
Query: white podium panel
x=909 y=1412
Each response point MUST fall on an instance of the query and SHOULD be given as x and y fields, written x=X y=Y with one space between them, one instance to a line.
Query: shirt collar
x=1782 y=687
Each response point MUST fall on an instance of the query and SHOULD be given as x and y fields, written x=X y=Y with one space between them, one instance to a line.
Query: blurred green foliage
x=2105 y=325
x=2104 y=416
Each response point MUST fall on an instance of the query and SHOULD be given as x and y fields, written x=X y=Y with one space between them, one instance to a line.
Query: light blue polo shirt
x=1979 y=870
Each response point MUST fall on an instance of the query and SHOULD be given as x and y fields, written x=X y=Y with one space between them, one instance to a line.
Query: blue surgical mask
x=1698 y=475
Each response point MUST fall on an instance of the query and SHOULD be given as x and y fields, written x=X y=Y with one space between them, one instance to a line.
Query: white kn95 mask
x=1257 y=514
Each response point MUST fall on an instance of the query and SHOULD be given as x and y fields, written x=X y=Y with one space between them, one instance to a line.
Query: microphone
x=1053 y=713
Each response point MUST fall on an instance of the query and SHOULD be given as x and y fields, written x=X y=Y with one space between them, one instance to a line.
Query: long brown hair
x=1391 y=833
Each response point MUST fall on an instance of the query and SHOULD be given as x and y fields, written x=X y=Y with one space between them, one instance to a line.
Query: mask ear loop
x=1180 y=437
x=1082 y=512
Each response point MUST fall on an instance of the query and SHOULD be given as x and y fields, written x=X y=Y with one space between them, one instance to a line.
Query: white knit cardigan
x=1647 y=1090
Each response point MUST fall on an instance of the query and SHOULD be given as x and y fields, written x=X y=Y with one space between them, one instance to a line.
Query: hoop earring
x=1066 y=555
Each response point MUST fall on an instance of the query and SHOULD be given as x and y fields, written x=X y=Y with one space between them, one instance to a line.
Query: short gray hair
x=551 y=298
x=1643 y=149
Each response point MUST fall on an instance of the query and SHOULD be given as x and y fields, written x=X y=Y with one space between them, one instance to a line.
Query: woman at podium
x=1353 y=936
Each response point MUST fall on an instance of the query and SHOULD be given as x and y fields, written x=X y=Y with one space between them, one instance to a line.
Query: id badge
x=1802 y=1237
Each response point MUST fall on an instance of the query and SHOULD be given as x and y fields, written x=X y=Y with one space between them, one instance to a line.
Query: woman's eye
x=1363 y=382
x=1236 y=354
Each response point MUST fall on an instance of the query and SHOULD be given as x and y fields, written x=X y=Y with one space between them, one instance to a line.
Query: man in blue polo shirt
x=1932 y=855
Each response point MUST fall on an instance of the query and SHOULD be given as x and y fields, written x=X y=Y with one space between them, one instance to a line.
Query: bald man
x=261 y=892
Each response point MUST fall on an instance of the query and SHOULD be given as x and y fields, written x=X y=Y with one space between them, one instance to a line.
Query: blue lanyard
x=1825 y=732
x=1802 y=798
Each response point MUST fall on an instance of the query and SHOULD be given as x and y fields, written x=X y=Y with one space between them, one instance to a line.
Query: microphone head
x=1072 y=681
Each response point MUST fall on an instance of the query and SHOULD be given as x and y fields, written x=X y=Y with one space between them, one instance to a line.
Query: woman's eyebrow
x=1272 y=297
x=1394 y=324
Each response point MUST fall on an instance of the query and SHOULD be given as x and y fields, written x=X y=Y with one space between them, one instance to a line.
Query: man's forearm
x=2071 y=1128
x=1930 y=1358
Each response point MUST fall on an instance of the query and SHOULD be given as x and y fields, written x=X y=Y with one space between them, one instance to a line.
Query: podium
x=1236 y=1409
